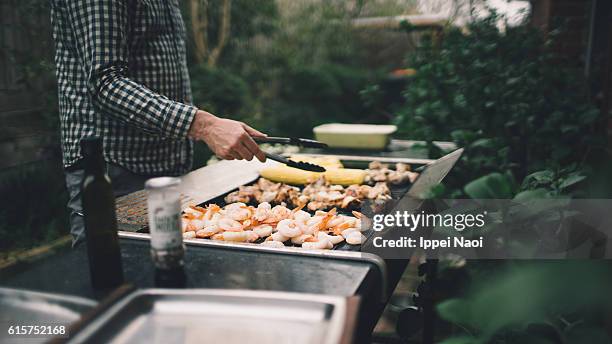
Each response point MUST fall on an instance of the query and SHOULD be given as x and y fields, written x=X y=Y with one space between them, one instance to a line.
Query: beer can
x=164 y=212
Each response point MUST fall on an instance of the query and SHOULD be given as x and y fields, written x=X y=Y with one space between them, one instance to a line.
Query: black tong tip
x=305 y=166
x=297 y=142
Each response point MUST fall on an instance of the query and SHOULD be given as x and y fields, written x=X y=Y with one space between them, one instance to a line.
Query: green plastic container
x=358 y=136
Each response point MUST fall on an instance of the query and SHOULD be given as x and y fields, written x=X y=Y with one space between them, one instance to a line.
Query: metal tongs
x=293 y=141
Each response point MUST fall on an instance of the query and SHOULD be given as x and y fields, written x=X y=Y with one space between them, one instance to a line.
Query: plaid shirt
x=122 y=76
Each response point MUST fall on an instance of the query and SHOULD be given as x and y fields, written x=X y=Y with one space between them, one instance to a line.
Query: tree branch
x=224 y=33
x=197 y=29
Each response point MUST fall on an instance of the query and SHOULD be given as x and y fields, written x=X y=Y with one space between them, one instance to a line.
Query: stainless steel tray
x=23 y=307
x=218 y=316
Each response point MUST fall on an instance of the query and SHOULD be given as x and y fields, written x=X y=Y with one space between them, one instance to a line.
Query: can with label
x=164 y=211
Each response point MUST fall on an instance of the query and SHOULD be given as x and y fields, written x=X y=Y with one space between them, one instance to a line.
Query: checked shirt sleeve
x=100 y=30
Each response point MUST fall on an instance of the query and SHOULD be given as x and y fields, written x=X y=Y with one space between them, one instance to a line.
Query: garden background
x=530 y=103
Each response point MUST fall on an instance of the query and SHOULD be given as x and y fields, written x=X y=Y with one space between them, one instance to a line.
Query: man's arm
x=229 y=139
x=100 y=28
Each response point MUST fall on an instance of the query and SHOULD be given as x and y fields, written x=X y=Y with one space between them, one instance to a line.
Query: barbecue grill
x=344 y=271
x=132 y=216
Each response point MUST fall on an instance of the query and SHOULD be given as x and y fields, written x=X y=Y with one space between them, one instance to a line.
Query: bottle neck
x=95 y=165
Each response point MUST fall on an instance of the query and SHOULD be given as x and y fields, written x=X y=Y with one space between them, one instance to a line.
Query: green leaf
x=590 y=116
x=538 y=209
x=491 y=186
x=527 y=195
x=407 y=26
x=436 y=191
x=541 y=176
x=484 y=143
x=455 y=310
x=571 y=180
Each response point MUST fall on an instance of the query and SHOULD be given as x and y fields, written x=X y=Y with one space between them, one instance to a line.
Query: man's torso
x=156 y=45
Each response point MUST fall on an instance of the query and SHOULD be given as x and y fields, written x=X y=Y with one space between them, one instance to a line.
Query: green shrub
x=530 y=132
x=219 y=91
x=309 y=96
x=503 y=96
x=526 y=302
x=285 y=75
x=316 y=34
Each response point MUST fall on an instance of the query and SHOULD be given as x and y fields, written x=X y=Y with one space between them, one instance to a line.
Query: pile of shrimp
x=238 y=222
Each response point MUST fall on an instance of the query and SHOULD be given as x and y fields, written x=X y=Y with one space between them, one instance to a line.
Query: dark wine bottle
x=103 y=250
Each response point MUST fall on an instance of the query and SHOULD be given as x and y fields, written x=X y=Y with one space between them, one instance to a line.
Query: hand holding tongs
x=294 y=142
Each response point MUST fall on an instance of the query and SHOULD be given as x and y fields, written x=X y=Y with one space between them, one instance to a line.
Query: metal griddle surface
x=397 y=192
x=132 y=209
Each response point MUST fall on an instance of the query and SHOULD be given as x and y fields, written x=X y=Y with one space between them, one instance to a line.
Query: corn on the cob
x=294 y=176
x=345 y=176
x=327 y=162
x=288 y=175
